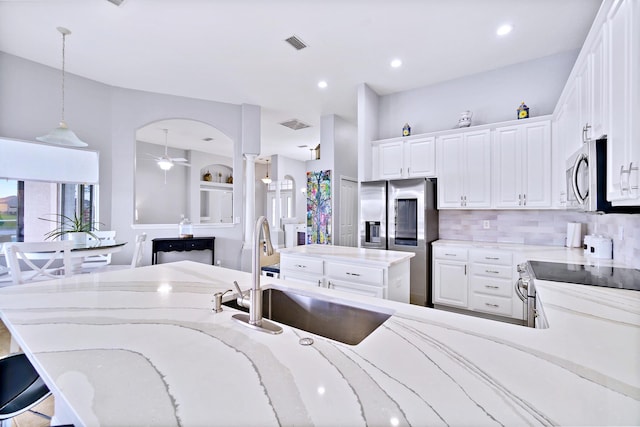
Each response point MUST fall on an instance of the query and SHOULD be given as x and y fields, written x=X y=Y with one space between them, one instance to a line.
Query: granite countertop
x=344 y=253
x=143 y=347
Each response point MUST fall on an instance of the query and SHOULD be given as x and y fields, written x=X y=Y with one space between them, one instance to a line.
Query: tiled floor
x=27 y=419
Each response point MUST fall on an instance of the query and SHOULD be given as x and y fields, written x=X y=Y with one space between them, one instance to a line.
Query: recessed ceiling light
x=322 y=84
x=504 y=29
x=396 y=63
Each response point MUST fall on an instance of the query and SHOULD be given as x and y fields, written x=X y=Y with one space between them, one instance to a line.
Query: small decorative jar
x=465 y=119
x=185 y=228
x=523 y=111
x=406 y=130
x=207 y=176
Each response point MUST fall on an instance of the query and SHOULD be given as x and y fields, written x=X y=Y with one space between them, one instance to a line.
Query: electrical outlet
x=486 y=224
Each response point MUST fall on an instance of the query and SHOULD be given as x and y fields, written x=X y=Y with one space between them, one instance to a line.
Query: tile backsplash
x=542 y=227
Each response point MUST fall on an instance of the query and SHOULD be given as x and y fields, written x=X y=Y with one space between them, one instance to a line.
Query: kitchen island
x=143 y=347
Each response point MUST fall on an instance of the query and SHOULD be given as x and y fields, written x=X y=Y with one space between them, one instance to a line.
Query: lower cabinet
x=384 y=281
x=477 y=280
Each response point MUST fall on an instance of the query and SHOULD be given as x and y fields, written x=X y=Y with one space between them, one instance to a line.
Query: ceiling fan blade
x=183 y=164
x=178 y=159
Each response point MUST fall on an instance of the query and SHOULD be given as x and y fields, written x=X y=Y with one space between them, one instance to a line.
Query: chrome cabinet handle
x=300 y=266
x=491 y=305
x=585 y=129
x=492 y=271
x=491 y=286
x=353 y=274
x=446 y=254
x=319 y=283
x=524 y=200
x=495 y=258
x=627 y=172
x=519 y=199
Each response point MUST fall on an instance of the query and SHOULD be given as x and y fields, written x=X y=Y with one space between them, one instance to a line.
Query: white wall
x=107 y=118
x=492 y=96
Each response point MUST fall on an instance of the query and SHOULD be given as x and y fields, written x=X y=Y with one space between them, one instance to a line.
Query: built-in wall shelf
x=204 y=185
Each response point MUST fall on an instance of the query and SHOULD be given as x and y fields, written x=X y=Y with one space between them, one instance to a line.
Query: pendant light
x=266 y=179
x=62 y=135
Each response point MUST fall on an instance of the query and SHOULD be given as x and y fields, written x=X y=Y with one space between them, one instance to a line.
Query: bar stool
x=21 y=388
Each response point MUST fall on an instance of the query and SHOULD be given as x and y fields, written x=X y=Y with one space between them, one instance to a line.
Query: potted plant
x=72 y=228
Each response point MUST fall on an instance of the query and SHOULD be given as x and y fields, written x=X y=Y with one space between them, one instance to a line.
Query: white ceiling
x=233 y=50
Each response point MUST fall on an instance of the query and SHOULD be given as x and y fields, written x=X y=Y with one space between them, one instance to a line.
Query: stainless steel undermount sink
x=339 y=322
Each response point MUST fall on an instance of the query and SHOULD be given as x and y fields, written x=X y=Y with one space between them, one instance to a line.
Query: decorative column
x=249 y=198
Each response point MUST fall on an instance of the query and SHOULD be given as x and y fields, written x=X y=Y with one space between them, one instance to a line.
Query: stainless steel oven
x=526 y=291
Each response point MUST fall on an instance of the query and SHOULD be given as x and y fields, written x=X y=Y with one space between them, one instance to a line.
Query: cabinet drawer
x=196 y=245
x=169 y=246
x=307 y=279
x=354 y=288
x=492 y=286
x=491 y=257
x=459 y=254
x=356 y=273
x=301 y=265
x=488 y=270
x=491 y=304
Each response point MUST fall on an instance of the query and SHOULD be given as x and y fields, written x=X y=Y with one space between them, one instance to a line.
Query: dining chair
x=21 y=388
x=98 y=261
x=21 y=257
x=136 y=259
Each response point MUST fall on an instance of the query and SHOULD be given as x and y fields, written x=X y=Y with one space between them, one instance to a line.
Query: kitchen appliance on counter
x=581 y=274
x=401 y=215
x=598 y=247
x=586 y=178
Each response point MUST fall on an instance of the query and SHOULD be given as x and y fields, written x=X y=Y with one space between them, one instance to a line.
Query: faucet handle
x=241 y=296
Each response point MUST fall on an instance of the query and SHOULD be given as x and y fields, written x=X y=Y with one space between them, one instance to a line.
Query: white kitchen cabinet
x=475 y=280
x=622 y=46
x=302 y=269
x=342 y=268
x=408 y=157
x=522 y=166
x=450 y=280
x=464 y=165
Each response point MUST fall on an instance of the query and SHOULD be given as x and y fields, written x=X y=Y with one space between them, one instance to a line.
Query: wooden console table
x=170 y=244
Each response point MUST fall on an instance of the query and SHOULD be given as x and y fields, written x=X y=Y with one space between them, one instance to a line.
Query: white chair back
x=96 y=261
x=48 y=252
x=138 y=250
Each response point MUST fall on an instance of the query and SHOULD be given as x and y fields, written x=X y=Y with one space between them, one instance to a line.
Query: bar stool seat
x=21 y=388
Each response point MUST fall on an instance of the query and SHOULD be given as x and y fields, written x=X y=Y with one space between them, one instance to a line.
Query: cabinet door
x=623 y=152
x=355 y=288
x=572 y=120
x=420 y=157
x=477 y=169
x=450 y=285
x=507 y=185
x=598 y=98
x=450 y=164
x=390 y=158
x=536 y=165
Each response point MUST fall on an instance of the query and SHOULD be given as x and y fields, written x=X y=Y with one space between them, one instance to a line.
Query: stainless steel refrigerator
x=401 y=215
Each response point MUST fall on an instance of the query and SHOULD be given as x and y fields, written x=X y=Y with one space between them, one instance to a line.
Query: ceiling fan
x=165 y=162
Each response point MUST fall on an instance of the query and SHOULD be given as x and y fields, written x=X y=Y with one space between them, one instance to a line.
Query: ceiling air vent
x=295 y=124
x=296 y=42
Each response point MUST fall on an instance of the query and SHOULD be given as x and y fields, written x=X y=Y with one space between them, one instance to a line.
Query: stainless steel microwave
x=586 y=177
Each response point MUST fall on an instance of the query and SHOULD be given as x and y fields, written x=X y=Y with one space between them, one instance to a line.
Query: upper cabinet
x=464 y=180
x=407 y=157
x=521 y=164
x=622 y=46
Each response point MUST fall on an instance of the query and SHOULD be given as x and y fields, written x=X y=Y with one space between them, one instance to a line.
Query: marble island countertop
x=345 y=253
x=143 y=347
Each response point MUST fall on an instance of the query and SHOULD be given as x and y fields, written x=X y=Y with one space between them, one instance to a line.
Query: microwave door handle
x=574 y=179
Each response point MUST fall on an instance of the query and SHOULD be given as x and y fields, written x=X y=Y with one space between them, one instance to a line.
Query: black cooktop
x=609 y=277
